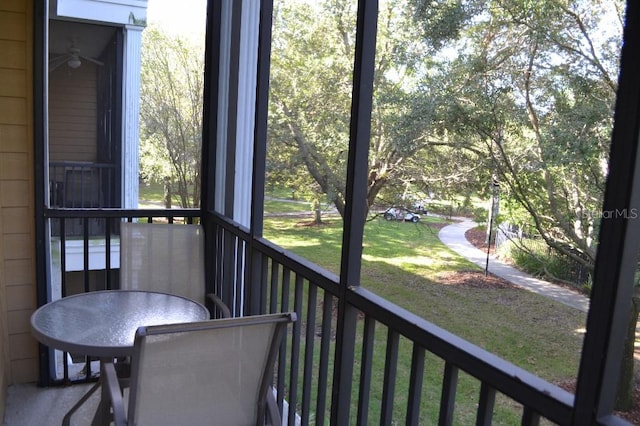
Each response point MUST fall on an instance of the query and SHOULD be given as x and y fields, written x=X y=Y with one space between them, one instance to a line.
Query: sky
x=185 y=17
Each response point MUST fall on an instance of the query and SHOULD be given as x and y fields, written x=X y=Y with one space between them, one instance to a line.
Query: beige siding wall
x=73 y=113
x=18 y=350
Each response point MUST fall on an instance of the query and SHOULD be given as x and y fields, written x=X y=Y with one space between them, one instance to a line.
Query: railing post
x=40 y=36
x=356 y=207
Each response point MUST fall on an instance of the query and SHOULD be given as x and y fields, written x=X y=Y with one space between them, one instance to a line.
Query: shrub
x=536 y=258
x=480 y=216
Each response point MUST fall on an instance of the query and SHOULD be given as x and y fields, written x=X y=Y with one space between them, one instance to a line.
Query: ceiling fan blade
x=95 y=61
x=57 y=61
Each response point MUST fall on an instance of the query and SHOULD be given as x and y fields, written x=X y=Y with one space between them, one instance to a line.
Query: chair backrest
x=210 y=372
x=168 y=258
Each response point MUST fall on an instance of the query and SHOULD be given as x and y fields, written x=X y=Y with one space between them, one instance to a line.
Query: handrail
x=101 y=213
x=81 y=164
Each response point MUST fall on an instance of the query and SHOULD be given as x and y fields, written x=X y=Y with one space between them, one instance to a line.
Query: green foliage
x=511 y=211
x=540 y=104
x=536 y=258
x=533 y=264
x=171 y=114
x=448 y=123
x=310 y=100
x=313 y=47
x=442 y=21
x=480 y=216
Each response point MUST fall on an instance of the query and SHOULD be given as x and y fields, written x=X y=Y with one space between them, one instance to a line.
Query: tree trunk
x=318 y=213
x=624 y=397
x=167 y=193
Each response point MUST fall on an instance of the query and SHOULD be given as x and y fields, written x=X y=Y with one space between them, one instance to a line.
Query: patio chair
x=216 y=372
x=168 y=258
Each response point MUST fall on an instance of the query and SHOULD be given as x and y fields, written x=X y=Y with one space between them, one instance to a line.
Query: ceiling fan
x=72 y=58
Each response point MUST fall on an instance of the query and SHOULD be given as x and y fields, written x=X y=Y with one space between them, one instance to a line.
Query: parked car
x=395 y=213
x=420 y=208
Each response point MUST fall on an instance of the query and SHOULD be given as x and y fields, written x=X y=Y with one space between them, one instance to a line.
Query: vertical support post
x=261 y=116
x=227 y=151
x=617 y=258
x=208 y=162
x=448 y=394
x=210 y=106
x=415 y=385
x=484 y=415
x=40 y=120
x=356 y=206
x=220 y=128
x=260 y=145
x=131 y=112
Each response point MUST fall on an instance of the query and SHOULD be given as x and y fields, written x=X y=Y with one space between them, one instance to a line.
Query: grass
x=152 y=195
x=282 y=193
x=151 y=192
x=405 y=263
x=279 y=206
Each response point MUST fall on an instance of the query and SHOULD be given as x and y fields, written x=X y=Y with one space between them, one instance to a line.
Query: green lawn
x=151 y=192
x=405 y=263
x=272 y=206
x=152 y=195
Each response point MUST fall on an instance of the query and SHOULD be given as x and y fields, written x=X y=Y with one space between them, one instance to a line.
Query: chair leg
x=273 y=413
x=66 y=421
x=112 y=396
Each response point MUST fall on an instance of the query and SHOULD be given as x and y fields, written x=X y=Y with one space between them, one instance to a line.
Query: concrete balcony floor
x=30 y=405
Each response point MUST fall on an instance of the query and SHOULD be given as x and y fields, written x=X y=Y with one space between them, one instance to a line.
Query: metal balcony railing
x=82 y=185
x=395 y=367
x=394 y=358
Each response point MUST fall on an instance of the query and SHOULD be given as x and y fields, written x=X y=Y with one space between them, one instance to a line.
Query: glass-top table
x=103 y=324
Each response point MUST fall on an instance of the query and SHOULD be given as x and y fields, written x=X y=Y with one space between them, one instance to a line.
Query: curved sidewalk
x=453 y=237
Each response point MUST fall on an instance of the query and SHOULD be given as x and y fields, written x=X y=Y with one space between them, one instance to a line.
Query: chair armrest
x=110 y=380
x=224 y=310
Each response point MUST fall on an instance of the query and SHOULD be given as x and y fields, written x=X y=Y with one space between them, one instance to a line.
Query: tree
x=312 y=57
x=533 y=87
x=309 y=115
x=527 y=96
x=171 y=114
